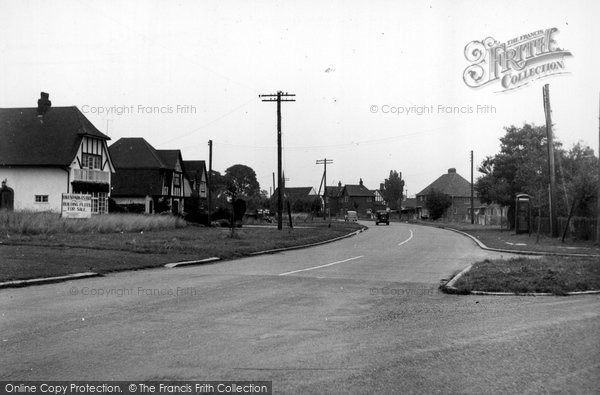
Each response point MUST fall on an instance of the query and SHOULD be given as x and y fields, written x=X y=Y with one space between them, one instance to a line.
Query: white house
x=45 y=152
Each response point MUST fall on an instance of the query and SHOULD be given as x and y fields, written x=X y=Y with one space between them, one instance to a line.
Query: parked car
x=351 y=216
x=382 y=217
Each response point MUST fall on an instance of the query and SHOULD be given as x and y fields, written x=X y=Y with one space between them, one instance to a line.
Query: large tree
x=437 y=203
x=394 y=188
x=241 y=181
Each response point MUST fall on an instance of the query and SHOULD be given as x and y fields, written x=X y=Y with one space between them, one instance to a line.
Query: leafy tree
x=394 y=188
x=241 y=181
x=437 y=203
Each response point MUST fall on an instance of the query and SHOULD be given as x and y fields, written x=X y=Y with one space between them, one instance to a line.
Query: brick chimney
x=360 y=182
x=382 y=187
x=44 y=104
x=451 y=170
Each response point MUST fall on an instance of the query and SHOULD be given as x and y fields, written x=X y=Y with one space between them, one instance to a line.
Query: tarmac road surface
x=361 y=315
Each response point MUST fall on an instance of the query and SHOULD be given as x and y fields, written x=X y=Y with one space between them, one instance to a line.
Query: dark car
x=382 y=217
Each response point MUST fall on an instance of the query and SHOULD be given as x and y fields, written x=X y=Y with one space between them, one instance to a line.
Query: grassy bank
x=51 y=254
x=31 y=223
x=557 y=275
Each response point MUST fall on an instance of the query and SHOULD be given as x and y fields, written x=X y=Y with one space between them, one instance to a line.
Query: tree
x=437 y=203
x=241 y=180
x=394 y=188
x=520 y=167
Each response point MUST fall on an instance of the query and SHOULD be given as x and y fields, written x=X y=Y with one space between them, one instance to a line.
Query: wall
x=30 y=181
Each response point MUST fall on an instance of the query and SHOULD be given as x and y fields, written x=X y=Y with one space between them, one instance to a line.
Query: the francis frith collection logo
x=516 y=62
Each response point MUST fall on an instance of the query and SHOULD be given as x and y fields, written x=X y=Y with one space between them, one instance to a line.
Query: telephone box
x=523 y=213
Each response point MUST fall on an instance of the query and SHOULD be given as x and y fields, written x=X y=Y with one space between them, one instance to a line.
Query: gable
x=53 y=140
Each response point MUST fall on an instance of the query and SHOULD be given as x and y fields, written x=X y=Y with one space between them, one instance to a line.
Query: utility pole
x=278 y=97
x=324 y=162
x=472 y=194
x=549 y=137
x=598 y=198
x=209 y=179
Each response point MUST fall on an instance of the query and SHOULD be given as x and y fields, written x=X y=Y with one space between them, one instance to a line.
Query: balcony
x=88 y=175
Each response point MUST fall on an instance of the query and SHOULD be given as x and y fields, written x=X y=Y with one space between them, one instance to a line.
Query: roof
x=137 y=153
x=451 y=184
x=27 y=141
x=194 y=168
x=298 y=193
x=357 y=190
x=334 y=191
x=411 y=203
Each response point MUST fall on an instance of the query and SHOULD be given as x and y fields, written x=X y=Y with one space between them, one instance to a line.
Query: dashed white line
x=407 y=240
x=318 y=267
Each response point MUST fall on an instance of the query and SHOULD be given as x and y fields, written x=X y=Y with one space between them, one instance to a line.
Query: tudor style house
x=195 y=182
x=147 y=180
x=48 y=151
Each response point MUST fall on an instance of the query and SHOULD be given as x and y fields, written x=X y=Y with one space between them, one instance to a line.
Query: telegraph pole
x=324 y=162
x=549 y=137
x=598 y=198
x=472 y=194
x=278 y=97
x=209 y=178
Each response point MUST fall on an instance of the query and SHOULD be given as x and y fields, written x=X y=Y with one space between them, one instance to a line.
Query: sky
x=180 y=73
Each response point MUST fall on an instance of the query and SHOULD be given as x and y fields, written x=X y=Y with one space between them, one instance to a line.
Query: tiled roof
x=27 y=141
x=135 y=153
x=451 y=184
x=334 y=192
x=357 y=190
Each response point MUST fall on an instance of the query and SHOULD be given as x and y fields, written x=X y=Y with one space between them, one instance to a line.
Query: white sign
x=76 y=206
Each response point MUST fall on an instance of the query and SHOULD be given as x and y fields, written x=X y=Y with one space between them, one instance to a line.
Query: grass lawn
x=557 y=275
x=55 y=254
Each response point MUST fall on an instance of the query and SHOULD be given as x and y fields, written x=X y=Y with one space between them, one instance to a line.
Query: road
x=361 y=315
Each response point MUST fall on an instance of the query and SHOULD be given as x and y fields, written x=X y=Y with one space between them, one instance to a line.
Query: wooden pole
x=551 y=169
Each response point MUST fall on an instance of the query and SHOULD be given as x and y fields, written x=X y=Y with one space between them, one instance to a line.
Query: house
x=379 y=202
x=46 y=152
x=356 y=198
x=332 y=194
x=301 y=199
x=195 y=180
x=147 y=180
x=458 y=188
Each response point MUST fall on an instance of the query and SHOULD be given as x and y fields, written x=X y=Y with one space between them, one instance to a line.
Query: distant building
x=48 y=151
x=458 y=188
x=147 y=180
x=356 y=198
x=333 y=194
x=195 y=183
x=379 y=202
x=301 y=198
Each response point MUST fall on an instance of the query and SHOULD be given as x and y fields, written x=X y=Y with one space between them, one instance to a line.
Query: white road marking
x=318 y=267
x=407 y=240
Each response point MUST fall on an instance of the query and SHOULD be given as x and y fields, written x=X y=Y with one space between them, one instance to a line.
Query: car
x=382 y=217
x=351 y=216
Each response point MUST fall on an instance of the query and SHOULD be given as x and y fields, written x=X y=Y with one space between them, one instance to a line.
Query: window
x=99 y=202
x=41 y=198
x=89 y=161
x=176 y=180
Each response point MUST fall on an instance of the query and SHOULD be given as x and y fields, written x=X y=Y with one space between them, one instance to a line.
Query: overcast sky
x=340 y=58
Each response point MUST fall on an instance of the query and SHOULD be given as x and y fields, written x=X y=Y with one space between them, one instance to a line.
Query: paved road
x=359 y=315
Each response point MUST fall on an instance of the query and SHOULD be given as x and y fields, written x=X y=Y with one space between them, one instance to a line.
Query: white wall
x=31 y=181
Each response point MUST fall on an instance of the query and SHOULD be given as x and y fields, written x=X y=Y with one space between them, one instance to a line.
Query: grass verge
x=549 y=274
x=55 y=254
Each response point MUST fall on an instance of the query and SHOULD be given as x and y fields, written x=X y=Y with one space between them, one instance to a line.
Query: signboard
x=76 y=206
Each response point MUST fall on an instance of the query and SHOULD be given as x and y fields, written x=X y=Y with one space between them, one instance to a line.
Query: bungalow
x=357 y=198
x=47 y=152
x=147 y=180
x=458 y=188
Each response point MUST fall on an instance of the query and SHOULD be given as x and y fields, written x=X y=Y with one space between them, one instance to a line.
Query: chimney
x=451 y=170
x=339 y=184
x=360 y=182
x=382 y=187
x=43 y=104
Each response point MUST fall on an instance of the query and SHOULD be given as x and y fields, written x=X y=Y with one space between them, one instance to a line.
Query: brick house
x=357 y=198
x=45 y=152
x=458 y=188
x=147 y=180
x=332 y=194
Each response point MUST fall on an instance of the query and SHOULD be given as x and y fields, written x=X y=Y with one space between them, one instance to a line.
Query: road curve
x=359 y=315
